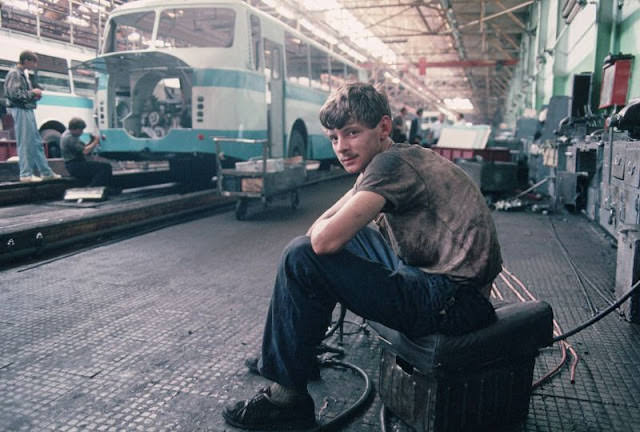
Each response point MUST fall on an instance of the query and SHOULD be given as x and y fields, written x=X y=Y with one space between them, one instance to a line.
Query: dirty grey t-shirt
x=434 y=217
x=72 y=147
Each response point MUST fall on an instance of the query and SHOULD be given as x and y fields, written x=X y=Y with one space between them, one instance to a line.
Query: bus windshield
x=196 y=27
x=130 y=32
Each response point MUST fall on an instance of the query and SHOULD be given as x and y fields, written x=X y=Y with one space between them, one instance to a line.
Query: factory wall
x=554 y=51
x=627 y=42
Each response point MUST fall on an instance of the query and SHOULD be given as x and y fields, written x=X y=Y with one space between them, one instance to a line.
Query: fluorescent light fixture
x=348 y=26
x=458 y=104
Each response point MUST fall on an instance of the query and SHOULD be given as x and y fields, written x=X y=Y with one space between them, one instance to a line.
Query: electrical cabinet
x=628 y=270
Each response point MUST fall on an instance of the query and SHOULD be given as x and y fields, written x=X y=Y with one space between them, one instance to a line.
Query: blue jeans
x=367 y=277
x=30 y=148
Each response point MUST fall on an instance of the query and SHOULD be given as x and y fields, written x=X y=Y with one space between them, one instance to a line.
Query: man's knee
x=297 y=248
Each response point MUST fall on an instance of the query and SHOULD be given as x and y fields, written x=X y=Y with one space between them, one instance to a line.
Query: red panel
x=490 y=154
x=615 y=83
x=7 y=149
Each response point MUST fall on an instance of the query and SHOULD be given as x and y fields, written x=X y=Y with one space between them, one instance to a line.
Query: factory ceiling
x=444 y=49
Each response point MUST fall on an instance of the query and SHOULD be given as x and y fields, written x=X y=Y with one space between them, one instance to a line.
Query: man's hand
x=330 y=234
x=93 y=143
x=37 y=93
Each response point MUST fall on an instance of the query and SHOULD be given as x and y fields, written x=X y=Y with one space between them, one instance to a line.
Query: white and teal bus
x=173 y=74
x=68 y=92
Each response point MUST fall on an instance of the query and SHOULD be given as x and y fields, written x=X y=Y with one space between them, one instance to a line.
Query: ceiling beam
x=495 y=15
x=513 y=16
x=424 y=19
x=388 y=17
x=508 y=38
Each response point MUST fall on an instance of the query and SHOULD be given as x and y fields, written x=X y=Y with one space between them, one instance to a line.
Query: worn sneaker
x=53 y=176
x=30 y=179
x=262 y=413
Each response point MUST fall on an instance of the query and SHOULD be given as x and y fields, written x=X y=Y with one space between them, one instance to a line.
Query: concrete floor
x=149 y=333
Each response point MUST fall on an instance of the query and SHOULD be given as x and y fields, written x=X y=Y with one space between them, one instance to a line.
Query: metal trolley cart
x=263 y=179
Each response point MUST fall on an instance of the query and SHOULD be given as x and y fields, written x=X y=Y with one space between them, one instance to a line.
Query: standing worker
x=427 y=268
x=22 y=97
x=436 y=129
x=92 y=173
x=415 y=131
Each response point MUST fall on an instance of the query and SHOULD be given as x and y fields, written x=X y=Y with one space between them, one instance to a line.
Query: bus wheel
x=297 y=144
x=52 y=138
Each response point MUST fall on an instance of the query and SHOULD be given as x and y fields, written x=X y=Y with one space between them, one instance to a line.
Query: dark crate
x=485 y=398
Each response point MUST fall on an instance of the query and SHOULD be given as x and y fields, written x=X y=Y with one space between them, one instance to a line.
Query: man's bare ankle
x=284 y=395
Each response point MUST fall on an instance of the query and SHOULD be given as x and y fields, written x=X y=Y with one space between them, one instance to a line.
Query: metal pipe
x=617 y=4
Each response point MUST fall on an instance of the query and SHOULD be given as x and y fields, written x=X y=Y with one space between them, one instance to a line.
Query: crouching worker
x=91 y=173
x=427 y=265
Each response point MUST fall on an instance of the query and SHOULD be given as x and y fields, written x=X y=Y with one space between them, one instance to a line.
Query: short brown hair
x=28 y=56
x=77 y=123
x=354 y=102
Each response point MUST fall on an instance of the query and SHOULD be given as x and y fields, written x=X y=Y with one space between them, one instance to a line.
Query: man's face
x=31 y=64
x=75 y=132
x=356 y=144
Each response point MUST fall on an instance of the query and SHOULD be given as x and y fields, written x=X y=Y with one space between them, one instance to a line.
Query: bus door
x=273 y=63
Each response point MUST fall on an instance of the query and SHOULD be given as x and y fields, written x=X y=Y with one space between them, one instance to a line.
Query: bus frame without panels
x=172 y=75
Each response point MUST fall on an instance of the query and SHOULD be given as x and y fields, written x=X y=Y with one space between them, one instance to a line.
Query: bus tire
x=298 y=144
x=52 y=138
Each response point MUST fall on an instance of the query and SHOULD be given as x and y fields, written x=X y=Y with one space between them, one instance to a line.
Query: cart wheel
x=241 y=209
x=295 y=199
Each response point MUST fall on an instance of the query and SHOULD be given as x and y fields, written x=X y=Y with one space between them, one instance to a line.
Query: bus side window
x=319 y=69
x=276 y=63
x=255 y=40
x=352 y=74
x=297 y=60
x=53 y=74
x=272 y=60
x=337 y=73
x=84 y=80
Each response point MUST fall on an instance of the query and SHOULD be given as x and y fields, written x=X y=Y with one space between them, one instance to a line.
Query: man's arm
x=92 y=144
x=16 y=92
x=332 y=210
x=329 y=234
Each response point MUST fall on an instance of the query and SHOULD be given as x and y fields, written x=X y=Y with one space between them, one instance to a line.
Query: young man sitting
x=426 y=268
x=74 y=151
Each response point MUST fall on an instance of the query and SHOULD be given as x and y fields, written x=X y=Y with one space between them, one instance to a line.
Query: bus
x=69 y=90
x=174 y=74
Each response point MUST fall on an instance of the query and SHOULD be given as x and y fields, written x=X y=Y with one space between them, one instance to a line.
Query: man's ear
x=385 y=127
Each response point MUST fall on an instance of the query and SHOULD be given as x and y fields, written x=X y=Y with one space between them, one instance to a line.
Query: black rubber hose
x=598 y=317
x=383 y=418
x=339 y=323
x=357 y=405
